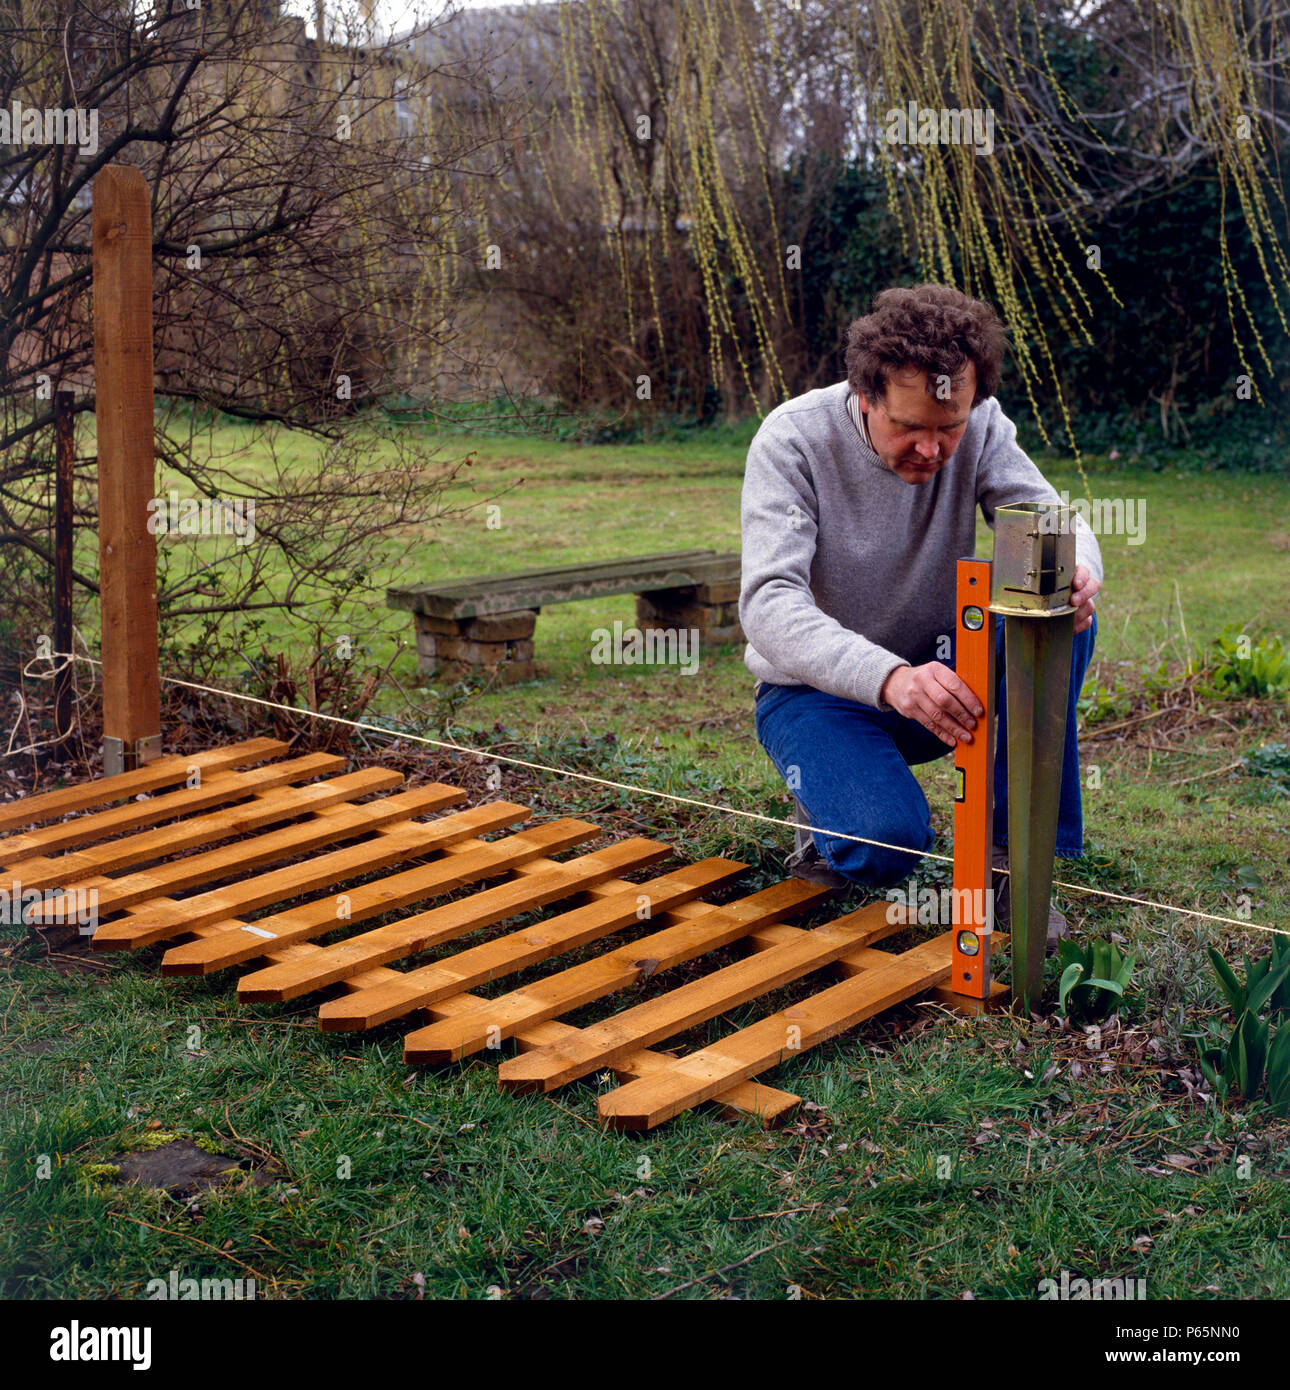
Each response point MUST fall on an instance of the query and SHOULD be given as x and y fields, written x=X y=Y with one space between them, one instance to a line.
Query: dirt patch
x=39 y=1046
x=183 y=1170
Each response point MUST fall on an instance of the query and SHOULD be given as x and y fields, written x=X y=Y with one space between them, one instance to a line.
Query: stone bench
x=486 y=624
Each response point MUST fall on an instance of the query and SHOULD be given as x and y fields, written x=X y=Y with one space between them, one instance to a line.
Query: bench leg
x=499 y=644
x=712 y=609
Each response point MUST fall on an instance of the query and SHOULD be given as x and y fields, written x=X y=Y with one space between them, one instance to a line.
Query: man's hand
x=1083 y=588
x=934 y=696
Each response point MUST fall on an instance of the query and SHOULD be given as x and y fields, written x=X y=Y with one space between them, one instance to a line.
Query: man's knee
x=902 y=843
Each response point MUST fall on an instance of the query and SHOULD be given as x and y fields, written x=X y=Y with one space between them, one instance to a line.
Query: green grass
x=939 y=1162
x=936 y=1155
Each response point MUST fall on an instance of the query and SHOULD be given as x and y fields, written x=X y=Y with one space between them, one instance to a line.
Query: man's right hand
x=934 y=696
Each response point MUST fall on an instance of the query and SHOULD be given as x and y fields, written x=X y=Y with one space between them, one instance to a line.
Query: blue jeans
x=853 y=773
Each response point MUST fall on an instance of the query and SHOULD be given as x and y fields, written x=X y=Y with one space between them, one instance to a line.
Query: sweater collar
x=862 y=429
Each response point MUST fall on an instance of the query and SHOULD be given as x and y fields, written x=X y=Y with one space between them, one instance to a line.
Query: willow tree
x=1195 y=81
x=663 y=132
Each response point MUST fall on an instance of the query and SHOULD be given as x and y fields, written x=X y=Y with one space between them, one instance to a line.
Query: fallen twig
x=183 y=1235
x=1212 y=772
x=725 y=1269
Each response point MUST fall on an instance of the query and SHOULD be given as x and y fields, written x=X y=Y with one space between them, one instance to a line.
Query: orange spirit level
x=973 y=916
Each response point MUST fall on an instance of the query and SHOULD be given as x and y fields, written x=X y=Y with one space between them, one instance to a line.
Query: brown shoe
x=1002 y=883
x=810 y=865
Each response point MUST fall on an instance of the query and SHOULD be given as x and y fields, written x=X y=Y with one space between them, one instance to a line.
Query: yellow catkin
x=1011 y=227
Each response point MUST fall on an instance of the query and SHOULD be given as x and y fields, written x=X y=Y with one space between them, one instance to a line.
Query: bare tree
x=306 y=219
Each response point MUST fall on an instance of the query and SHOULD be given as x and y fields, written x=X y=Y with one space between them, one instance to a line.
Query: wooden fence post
x=64 y=477
x=122 y=232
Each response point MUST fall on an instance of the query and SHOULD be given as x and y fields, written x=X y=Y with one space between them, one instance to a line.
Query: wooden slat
x=689 y=1080
x=505 y=955
x=767 y=1104
x=862 y=958
x=215 y=790
x=405 y=840
x=455 y=1038
x=447 y=922
x=114 y=894
x=228 y=860
x=150 y=908
x=161 y=772
x=280 y=804
x=221 y=944
x=693 y=1003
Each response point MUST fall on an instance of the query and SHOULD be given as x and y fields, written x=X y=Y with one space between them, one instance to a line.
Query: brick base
x=714 y=615
x=499 y=644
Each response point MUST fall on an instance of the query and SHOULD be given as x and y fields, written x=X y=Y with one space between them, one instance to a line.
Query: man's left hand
x=1083 y=589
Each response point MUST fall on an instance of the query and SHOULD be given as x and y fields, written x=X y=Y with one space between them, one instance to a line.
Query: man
x=858 y=500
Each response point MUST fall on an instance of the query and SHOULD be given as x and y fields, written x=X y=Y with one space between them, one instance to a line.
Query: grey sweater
x=848 y=572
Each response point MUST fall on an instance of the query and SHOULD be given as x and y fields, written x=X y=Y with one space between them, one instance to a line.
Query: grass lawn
x=935 y=1156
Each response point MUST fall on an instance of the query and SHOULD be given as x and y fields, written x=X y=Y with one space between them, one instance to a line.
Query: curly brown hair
x=935 y=328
